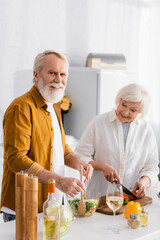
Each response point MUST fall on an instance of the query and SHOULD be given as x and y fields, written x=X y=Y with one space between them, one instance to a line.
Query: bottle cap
x=143 y=211
x=51 y=186
x=134 y=215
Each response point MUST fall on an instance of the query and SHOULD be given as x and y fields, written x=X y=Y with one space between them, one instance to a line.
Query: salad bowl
x=91 y=205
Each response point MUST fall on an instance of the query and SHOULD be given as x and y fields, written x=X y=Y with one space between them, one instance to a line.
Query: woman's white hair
x=135 y=93
x=38 y=62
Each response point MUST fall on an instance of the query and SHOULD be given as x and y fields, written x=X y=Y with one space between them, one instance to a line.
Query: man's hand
x=70 y=186
x=140 y=187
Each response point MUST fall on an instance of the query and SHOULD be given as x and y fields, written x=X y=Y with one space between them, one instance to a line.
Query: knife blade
x=126 y=190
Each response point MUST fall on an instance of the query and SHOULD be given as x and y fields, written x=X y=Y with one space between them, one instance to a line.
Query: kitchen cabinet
x=92 y=92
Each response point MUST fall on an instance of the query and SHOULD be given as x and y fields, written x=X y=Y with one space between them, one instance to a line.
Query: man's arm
x=71 y=160
x=70 y=186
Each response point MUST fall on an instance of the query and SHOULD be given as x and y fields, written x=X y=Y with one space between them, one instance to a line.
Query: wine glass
x=114 y=200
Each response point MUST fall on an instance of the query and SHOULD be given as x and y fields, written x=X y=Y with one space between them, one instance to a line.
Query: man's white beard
x=51 y=96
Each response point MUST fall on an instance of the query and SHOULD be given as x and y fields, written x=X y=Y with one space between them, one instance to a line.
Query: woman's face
x=127 y=111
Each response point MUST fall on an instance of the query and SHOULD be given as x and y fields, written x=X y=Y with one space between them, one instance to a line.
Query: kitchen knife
x=126 y=190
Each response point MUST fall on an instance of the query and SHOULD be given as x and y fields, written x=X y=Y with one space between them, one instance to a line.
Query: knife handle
x=116 y=181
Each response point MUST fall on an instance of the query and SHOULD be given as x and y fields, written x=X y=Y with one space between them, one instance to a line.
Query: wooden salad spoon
x=85 y=182
x=81 y=205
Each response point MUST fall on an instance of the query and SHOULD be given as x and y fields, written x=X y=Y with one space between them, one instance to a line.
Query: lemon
x=52 y=210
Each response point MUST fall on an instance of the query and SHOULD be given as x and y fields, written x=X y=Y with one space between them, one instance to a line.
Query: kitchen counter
x=95 y=227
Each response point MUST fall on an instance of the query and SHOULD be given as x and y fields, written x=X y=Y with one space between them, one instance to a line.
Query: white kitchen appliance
x=92 y=92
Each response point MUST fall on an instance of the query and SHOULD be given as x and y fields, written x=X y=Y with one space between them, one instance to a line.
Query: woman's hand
x=110 y=173
x=140 y=187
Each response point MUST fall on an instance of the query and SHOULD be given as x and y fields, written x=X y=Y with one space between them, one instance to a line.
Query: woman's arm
x=109 y=172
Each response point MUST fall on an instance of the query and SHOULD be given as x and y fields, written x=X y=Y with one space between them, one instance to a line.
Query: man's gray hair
x=40 y=58
x=135 y=93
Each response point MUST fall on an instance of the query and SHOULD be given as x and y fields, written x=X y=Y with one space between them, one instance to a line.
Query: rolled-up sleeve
x=150 y=168
x=67 y=149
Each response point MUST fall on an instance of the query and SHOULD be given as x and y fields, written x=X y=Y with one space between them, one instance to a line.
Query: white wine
x=51 y=215
x=51 y=228
x=114 y=202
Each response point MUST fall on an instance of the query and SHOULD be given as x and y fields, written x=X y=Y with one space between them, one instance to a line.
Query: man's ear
x=36 y=76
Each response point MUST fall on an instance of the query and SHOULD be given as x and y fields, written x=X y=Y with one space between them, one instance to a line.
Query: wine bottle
x=51 y=214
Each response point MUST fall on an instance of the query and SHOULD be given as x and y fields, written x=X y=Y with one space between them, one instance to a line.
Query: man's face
x=127 y=111
x=52 y=78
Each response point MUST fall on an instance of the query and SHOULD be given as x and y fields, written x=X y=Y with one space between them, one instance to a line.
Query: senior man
x=34 y=138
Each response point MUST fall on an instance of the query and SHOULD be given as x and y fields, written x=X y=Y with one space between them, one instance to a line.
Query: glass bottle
x=143 y=218
x=51 y=214
x=133 y=221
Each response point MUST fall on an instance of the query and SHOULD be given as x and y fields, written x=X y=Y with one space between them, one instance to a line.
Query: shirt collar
x=39 y=101
x=113 y=116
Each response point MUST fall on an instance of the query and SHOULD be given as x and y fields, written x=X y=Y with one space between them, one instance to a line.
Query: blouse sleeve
x=150 y=168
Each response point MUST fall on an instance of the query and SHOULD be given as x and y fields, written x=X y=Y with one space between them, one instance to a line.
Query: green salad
x=91 y=205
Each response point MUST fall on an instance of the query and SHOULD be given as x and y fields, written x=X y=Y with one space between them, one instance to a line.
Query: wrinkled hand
x=88 y=172
x=110 y=173
x=70 y=186
x=140 y=190
x=140 y=187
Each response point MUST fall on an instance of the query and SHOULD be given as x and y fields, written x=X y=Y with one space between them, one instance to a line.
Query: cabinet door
x=82 y=91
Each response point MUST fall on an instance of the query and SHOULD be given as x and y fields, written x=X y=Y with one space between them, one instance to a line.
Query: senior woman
x=121 y=144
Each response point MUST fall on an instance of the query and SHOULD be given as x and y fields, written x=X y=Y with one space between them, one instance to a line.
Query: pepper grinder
x=20 y=205
x=31 y=207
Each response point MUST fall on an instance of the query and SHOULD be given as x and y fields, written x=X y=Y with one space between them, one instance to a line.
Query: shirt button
x=51 y=129
x=51 y=146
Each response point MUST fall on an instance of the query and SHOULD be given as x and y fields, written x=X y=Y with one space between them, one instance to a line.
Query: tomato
x=93 y=209
x=134 y=192
x=125 y=197
x=131 y=197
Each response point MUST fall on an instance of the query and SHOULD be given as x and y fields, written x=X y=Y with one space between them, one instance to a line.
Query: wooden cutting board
x=102 y=208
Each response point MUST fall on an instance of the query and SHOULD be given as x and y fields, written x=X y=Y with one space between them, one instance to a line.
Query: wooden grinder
x=20 y=205
x=31 y=207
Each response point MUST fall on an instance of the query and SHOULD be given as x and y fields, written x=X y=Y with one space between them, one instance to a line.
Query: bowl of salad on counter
x=91 y=205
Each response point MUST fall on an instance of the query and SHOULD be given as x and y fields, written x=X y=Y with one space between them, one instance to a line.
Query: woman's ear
x=139 y=111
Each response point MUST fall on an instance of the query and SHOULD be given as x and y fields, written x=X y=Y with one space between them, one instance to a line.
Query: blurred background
x=77 y=28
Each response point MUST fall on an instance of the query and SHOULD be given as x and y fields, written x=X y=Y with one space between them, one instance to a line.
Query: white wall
x=75 y=28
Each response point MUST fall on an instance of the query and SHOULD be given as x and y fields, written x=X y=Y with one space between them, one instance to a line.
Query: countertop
x=95 y=227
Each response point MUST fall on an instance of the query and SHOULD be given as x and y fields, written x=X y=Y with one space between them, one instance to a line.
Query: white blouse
x=103 y=141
